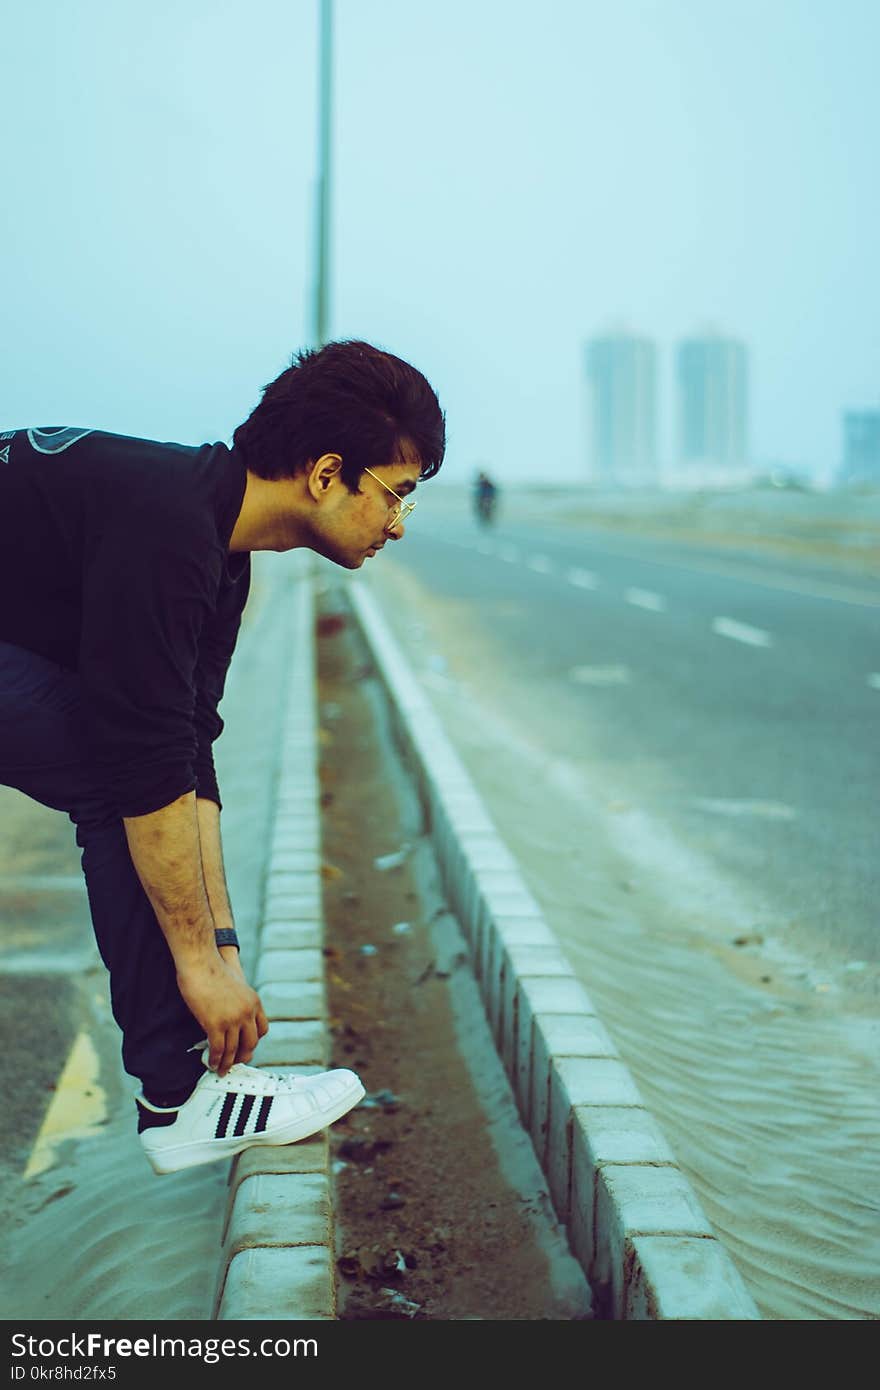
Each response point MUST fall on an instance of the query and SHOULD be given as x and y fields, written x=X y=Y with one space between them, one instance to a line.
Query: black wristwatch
x=226 y=936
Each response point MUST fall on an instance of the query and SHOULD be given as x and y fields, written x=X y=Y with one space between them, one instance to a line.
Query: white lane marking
x=600 y=675
x=78 y=1106
x=766 y=810
x=508 y=553
x=484 y=548
x=741 y=632
x=645 y=598
x=874 y=680
x=810 y=588
x=540 y=564
x=584 y=579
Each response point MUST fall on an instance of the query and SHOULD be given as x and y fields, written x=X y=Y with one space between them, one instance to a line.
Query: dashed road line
x=583 y=579
x=645 y=598
x=600 y=675
x=540 y=564
x=742 y=632
x=874 y=680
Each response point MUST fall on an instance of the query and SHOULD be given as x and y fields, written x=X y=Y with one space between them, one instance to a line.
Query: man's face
x=354 y=526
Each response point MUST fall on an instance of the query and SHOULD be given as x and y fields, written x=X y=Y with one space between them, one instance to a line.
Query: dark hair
x=346 y=398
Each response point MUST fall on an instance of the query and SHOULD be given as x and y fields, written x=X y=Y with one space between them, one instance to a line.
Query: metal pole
x=321 y=307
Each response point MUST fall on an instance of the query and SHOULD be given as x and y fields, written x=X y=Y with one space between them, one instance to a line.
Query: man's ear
x=326 y=470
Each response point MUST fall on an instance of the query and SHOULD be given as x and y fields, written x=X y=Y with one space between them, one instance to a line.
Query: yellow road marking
x=77 y=1108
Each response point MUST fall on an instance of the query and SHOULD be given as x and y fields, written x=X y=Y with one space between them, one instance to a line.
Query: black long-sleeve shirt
x=114 y=563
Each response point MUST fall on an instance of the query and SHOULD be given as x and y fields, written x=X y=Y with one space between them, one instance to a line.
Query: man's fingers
x=247 y=1041
x=216 y=1044
x=262 y=1022
x=229 y=1051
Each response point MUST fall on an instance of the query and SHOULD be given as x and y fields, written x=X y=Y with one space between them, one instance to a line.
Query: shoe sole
x=172 y=1160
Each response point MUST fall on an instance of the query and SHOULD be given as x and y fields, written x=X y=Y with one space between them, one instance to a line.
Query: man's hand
x=230 y=1012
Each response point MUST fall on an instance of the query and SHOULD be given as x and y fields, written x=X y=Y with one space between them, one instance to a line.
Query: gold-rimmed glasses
x=401 y=512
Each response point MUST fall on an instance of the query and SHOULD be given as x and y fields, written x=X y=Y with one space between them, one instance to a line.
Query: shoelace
x=284 y=1083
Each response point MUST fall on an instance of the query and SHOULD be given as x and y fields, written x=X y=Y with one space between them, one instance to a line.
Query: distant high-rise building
x=713 y=405
x=861 y=447
x=621 y=381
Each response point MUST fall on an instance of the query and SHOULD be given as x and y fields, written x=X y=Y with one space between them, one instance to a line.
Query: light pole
x=321 y=305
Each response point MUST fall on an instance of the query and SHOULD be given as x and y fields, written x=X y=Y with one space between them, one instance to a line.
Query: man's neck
x=268 y=516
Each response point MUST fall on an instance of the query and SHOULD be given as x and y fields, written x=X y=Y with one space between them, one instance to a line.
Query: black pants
x=43 y=752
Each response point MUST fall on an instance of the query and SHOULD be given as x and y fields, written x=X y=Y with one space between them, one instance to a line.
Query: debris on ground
x=393 y=861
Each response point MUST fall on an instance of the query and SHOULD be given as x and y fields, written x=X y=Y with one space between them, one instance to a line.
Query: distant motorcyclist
x=485 y=498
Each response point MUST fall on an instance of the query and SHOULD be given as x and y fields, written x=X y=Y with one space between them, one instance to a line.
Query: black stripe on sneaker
x=247 y=1105
x=265 y=1107
x=223 y=1121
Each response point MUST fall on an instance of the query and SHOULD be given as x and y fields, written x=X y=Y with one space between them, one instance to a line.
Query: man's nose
x=395 y=532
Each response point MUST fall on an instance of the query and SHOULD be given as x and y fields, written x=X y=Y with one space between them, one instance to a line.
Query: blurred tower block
x=712 y=373
x=622 y=400
x=861 y=447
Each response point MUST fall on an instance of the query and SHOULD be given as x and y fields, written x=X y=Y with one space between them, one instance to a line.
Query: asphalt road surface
x=738 y=698
x=679 y=745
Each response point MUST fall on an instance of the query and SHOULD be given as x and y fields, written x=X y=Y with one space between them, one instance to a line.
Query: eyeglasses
x=401 y=512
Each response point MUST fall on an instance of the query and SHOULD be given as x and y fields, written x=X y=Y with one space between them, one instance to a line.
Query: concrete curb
x=633 y=1221
x=277 y=1251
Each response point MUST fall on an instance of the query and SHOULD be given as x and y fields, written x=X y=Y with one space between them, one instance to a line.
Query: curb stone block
x=621 y=1135
x=281 y=883
x=291 y=934
x=499 y=932
x=518 y=961
x=289 y=1043
x=308 y=1156
x=502 y=933
x=296 y=963
x=302 y=836
x=279 y=1209
x=680 y=1277
x=284 y=907
x=294 y=861
x=280 y=1282
x=292 y=1000
x=561 y=994
x=563 y=1035
x=602 y=1134
x=636 y=1199
x=487 y=853
x=505 y=895
x=573 y=1081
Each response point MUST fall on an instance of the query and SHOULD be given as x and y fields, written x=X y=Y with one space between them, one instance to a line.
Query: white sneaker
x=226 y=1114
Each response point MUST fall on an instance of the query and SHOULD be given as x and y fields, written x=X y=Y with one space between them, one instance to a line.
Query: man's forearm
x=208 y=813
x=165 y=848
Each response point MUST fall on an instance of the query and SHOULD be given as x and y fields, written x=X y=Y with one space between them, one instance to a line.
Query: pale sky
x=510 y=178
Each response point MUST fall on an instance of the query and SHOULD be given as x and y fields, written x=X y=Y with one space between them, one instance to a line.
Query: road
x=740 y=700
x=680 y=746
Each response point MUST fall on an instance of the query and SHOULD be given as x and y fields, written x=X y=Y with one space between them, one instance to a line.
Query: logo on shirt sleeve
x=56 y=439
